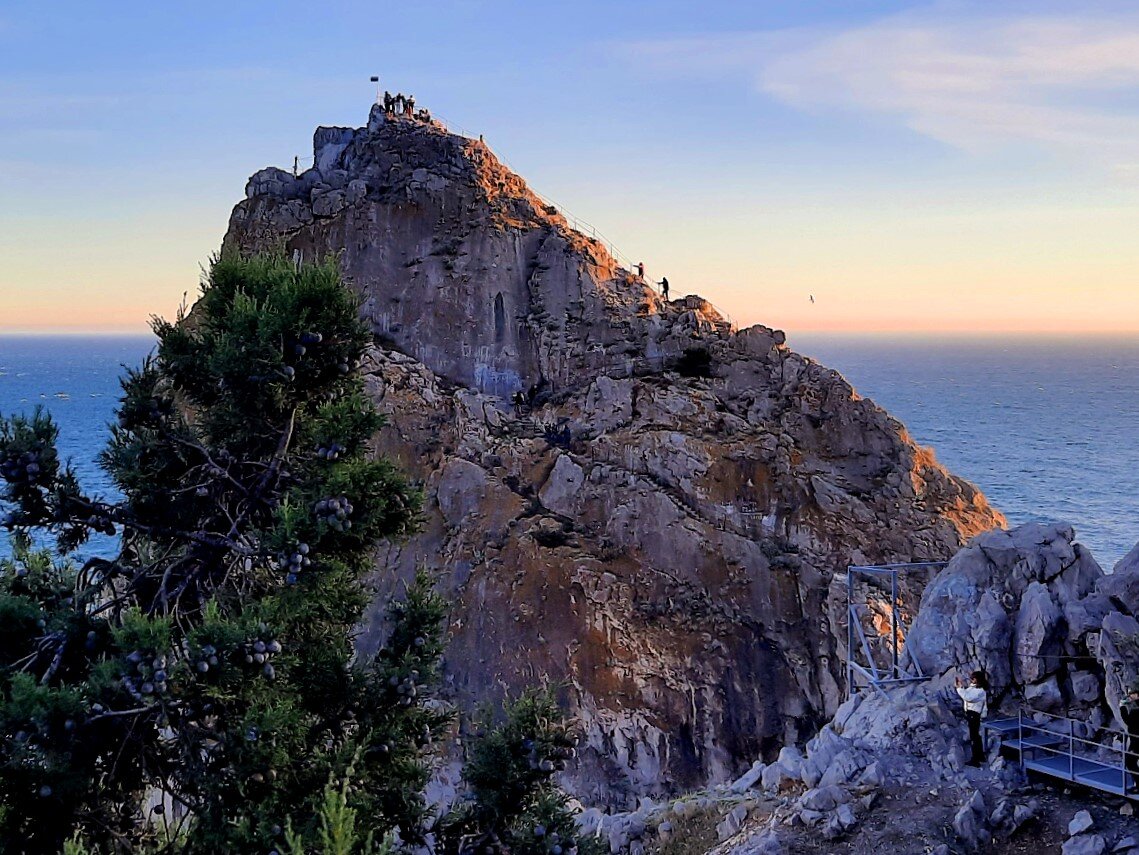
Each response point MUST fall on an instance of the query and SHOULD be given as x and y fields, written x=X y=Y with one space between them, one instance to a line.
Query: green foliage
x=210 y=665
x=514 y=804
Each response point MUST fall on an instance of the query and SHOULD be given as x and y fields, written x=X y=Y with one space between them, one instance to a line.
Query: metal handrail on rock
x=1048 y=744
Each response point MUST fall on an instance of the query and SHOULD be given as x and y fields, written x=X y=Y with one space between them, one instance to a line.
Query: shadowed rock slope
x=661 y=529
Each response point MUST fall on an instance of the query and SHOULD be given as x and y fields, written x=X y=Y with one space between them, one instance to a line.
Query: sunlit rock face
x=660 y=531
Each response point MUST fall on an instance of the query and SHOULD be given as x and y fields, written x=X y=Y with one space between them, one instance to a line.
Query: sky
x=942 y=168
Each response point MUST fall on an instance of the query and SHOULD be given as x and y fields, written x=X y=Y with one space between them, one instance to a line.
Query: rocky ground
x=898 y=803
x=888 y=773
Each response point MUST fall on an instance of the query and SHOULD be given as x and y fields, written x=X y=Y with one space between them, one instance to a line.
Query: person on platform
x=1129 y=712
x=975 y=696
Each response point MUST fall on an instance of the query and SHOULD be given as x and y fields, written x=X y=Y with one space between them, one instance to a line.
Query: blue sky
x=924 y=167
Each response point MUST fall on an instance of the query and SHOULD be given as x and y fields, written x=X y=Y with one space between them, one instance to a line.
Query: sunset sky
x=948 y=167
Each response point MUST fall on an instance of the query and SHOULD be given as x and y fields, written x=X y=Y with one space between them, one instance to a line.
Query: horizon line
x=806 y=331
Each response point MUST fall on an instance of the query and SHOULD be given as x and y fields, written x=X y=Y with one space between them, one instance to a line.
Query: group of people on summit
x=403 y=105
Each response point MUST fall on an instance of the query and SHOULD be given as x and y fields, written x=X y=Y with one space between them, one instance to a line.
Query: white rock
x=1080 y=823
x=1084 y=844
x=748 y=780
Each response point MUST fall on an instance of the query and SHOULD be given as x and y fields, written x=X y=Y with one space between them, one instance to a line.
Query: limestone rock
x=1038 y=635
x=749 y=779
x=970 y=824
x=1084 y=844
x=1044 y=696
x=660 y=520
x=1080 y=823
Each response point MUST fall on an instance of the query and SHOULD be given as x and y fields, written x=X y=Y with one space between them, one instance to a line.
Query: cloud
x=976 y=82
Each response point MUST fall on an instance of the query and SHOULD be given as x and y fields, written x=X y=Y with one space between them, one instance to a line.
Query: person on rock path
x=976 y=699
x=664 y=286
x=1129 y=712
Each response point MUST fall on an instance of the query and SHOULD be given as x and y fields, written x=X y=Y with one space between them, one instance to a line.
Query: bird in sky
x=812 y=298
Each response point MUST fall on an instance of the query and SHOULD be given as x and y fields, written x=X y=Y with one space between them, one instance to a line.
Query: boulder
x=964 y=617
x=1084 y=844
x=1117 y=651
x=1044 y=696
x=824 y=798
x=791 y=760
x=844 y=767
x=1121 y=586
x=1038 y=634
x=1080 y=823
x=749 y=779
x=971 y=826
x=775 y=778
x=732 y=823
x=821 y=751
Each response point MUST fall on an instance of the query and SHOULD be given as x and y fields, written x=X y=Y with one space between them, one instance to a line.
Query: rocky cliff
x=659 y=523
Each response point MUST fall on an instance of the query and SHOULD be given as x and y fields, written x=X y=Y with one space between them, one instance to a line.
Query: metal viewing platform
x=1049 y=745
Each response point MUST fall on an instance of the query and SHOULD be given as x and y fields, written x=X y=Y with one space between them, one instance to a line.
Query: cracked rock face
x=660 y=523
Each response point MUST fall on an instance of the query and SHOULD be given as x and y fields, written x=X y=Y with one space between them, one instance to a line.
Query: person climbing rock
x=976 y=699
x=641 y=270
x=1129 y=712
x=664 y=287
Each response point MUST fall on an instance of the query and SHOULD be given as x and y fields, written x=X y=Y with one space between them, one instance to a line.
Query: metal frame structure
x=898 y=671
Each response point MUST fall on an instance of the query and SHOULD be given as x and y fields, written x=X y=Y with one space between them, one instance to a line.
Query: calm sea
x=1048 y=429
x=76 y=379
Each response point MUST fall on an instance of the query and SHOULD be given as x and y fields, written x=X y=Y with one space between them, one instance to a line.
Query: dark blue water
x=76 y=379
x=1047 y=429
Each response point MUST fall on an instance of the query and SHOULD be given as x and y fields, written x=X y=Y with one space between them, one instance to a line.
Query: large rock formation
x=660 y=523
x=1033 y=609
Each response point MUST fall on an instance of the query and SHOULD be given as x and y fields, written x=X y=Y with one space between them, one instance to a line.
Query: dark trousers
x=1131 y=760
x=975 y=743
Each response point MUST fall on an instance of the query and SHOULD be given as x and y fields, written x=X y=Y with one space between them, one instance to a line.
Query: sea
x=1047 y=428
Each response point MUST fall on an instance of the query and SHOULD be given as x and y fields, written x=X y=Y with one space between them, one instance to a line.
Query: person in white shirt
x=976 y=698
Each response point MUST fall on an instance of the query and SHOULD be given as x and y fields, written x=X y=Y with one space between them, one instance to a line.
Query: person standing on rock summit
x=976 y=700
x=1129 y=712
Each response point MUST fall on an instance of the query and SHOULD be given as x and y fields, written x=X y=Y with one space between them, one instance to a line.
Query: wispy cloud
x=1069 y=83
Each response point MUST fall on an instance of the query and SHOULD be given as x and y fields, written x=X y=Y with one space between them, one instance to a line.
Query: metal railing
x=576 y=223
x=1081 y=760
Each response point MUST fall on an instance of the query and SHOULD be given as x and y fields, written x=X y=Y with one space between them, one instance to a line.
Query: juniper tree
x=204 y=678
x=513 y=803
